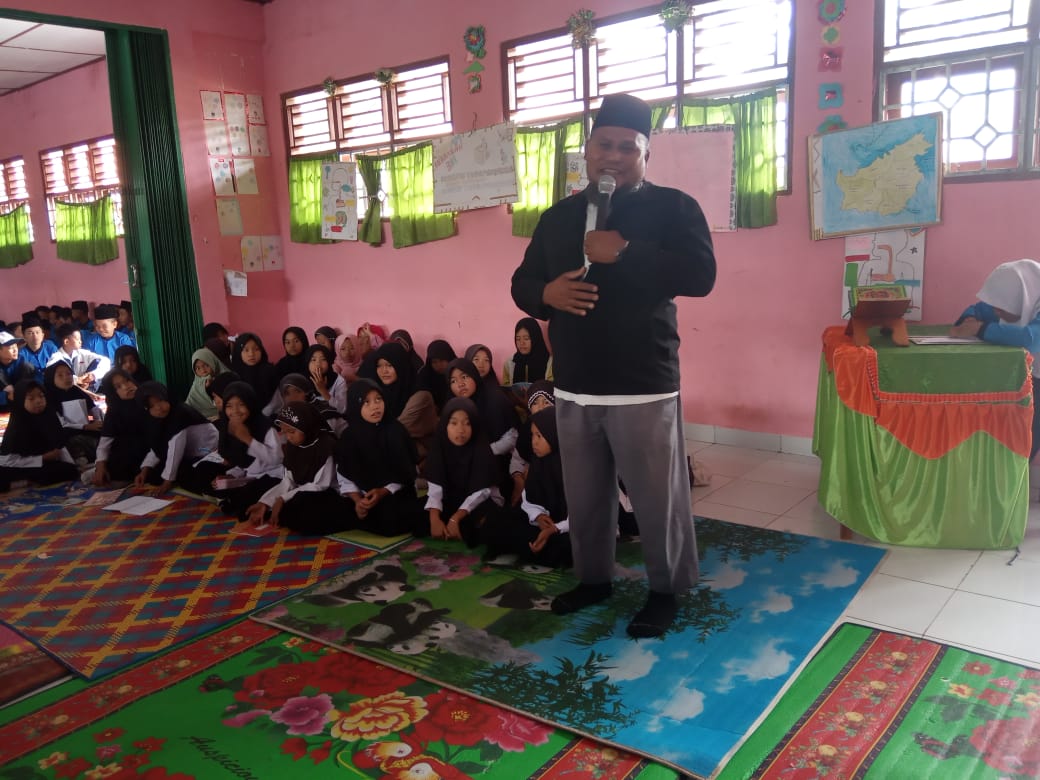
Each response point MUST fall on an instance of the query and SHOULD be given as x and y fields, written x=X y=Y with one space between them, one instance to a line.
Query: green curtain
x=15 y=245
x=371 y=229
x=541 y=171
x=86 y=232
x=754 y=119
x=412 y=220
x=305 y=200
x=659 y=113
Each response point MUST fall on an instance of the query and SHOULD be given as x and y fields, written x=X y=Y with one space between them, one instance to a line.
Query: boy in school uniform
x=80 y=317
x=38 y=348
x=106 y=338
x=126 y=319
x=13 y=367
x=88 y=367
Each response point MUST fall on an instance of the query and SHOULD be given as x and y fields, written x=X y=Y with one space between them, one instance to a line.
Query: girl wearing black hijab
x=129 y=359
x=376 y=460
x=480 y=356
x=178 y=436
x=297 y=387
x=433 y=375
x=250 y=361
x=390 y=368
x=496 y=413
x=537 y=529
x=462 y=475
x=124 y=441
x=75 y=409
x=532 y=360
x=305 y=500
x=327 y=383
x=404 y=338
x=33 y=447
x=294 y=341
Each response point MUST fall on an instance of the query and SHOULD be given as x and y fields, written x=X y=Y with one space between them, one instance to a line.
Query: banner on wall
x=475 y=170
x=339 y=220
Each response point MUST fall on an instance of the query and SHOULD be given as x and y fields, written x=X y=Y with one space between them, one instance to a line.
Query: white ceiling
x=31 y=52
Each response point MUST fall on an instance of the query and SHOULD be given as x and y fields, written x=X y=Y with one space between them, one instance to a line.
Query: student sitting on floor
x=391 y=369
x=206 y=366
x=462 y=475
x=296 y=388
x=88 y=367
x=106 y=338
x=33 y=447
x=327 y=383
x=124 y=437
x=376 y=461
x=537 y=529
x=38 y=348
x=249 y=449
x=305 y=500
x=13 y=368
x=178 y=436
x=129 y=359
x=250 y=361
x=80 y=417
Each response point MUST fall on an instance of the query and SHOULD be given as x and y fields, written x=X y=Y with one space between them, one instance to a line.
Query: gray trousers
x=645 y=445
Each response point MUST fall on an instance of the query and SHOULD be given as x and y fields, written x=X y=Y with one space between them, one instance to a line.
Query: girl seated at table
x=1008 y=312
x=33 y=447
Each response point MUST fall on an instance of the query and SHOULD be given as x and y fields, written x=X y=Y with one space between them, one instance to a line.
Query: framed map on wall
x=879 y=177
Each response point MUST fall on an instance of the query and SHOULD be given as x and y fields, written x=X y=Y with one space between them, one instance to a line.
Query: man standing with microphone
x=603 y=267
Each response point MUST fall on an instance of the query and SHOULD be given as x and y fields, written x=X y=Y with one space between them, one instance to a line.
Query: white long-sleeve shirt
x=16 y=461
x=435 y=497
x=80 y=362
x=505 y=442
x=534 y=510
x=267 y=458
x=325 y=479
x=194 y=442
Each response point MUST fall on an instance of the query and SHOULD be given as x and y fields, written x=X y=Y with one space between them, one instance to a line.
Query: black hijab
x=233 y=450
x=262 y=377
x=293 y=364
x=404 y=338
x=306 y=460
x=544 y=484
x=330 y=373
x=436 y=384
x=160 y=431
x=496 y=413
x=142 y=374
x=220 y=383
x=55 y=395
x=397 y=393
x=542 y=388
x=122 y=418
x=492 y=377
x=31 y=434
x=372 y=455
x=531 y=367
x=460 y=471
x=220 y=350
x=315 y=401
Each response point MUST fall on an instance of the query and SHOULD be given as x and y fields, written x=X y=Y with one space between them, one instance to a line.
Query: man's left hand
x=603 y=246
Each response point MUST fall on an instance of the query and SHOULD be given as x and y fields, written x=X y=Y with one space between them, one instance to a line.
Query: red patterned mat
x=100 y=590
x=24 y=667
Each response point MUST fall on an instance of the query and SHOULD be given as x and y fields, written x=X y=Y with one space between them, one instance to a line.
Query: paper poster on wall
x=255 y=110
x=475 y=170
x=258 y=141
x=576 y=180
x=886 y=257
x=216 y=139
x=236 y=283
x=235 y=106
x=252 y=253
x=245 y=176
x=272 y=253
x=339 y=219
x=700 y=162
x=220 y=172
x=229 y=217
x=212 y=108
x=239 y=135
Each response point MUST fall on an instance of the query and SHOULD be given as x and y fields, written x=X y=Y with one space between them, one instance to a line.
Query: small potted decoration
x=583 y=29
x=675 y=13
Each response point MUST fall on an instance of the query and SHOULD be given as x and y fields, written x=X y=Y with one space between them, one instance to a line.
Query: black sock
x=585 y=595
x=656 y=617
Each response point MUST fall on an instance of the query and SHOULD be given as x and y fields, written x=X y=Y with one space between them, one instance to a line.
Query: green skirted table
x=926 y=446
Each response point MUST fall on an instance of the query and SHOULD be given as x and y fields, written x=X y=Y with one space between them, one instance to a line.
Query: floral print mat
x=251 y=702
x=874 y=704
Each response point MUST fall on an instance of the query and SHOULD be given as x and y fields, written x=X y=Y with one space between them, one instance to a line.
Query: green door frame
x=161 y=271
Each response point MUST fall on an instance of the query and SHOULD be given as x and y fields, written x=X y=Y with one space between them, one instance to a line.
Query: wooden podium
x=879 y=305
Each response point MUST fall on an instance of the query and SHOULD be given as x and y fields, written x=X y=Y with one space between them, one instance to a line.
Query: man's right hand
x=568 y=293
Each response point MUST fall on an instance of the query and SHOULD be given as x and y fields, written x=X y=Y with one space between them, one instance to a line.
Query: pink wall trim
x=750 y=350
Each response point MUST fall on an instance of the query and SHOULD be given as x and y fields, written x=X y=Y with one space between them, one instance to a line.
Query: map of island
x=887 y=184
x=883 y=176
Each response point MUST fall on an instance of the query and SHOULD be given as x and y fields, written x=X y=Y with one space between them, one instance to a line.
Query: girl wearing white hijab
x=1008 y=312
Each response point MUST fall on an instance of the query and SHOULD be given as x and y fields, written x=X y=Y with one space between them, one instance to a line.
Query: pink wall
x=750 y=350
x=42 y=122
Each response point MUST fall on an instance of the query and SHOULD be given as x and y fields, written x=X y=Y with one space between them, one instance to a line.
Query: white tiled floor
x=984 y=601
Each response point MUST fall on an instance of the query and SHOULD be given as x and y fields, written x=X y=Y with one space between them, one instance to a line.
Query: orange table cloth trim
x=928 y=424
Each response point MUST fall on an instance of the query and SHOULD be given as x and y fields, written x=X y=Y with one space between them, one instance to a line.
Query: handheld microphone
x=607 y=185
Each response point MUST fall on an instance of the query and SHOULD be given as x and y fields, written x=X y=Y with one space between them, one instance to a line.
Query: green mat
x=874 y=704
x=249 y=702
